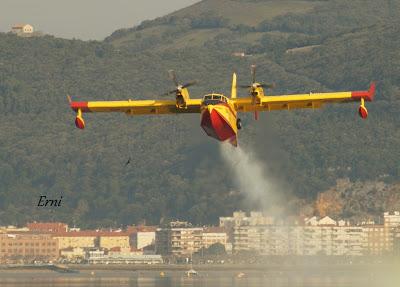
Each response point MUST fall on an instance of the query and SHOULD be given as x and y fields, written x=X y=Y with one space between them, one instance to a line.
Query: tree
x=214 y=249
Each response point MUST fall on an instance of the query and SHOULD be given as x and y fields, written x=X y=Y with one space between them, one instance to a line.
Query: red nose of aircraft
x=216 y=126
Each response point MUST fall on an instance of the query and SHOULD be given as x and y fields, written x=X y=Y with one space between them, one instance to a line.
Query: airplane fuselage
x=219 y=118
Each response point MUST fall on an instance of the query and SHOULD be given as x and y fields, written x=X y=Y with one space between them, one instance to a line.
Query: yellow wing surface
x=144 y=107
x=130 y=107
x=302 y=101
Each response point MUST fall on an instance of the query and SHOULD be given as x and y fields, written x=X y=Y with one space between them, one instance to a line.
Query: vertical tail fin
x=234 y=87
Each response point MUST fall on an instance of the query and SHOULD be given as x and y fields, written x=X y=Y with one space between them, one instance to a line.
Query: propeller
x=253 y=73
x=254 y=84
x=179 y=87
x=172 y=76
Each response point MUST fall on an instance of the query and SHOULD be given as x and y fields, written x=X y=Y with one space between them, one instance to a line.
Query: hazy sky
x=83 y=19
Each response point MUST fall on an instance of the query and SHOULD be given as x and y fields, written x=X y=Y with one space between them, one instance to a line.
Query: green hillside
x=176 y=170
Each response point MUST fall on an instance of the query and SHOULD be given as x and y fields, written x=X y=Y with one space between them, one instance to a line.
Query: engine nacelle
x=79 y=122
x=363 y=112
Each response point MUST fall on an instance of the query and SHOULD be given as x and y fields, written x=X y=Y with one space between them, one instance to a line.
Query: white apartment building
x=377 y=239
x=181 y=239
x=299 y=240
x=184 y=240
x=396 y=241
x=260 y=234
x=212 y=235
x=318 y=237
x=142 y=238
x=391 y=220
x=240 y=218
x=391 y=224
x=145 y=238
x=347 y=240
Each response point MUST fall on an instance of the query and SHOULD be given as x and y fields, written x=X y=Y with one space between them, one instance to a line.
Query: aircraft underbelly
x=219 y=122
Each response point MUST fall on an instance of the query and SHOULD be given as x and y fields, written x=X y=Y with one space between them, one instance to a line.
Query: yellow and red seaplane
x=219 y=113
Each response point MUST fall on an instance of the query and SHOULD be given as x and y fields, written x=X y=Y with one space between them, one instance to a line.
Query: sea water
x=205 y=278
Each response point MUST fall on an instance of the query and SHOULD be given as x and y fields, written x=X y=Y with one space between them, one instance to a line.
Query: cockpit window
x=214 y=99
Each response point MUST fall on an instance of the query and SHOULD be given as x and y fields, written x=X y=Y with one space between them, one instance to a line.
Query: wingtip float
x=363 y=96
x=79 y=108
x=219 y=114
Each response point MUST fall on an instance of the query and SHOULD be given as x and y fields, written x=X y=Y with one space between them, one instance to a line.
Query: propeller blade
x=192 y=83
x=169 y=93
x=253 y=73
x=172 y=76
x=269 y=86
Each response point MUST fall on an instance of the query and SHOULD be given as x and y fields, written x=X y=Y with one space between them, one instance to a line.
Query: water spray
x=250 y=176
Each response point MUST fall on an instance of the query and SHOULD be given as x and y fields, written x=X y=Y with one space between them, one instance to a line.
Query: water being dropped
x=250 y=176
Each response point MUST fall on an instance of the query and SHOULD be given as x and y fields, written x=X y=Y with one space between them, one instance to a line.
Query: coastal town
x=253 y=234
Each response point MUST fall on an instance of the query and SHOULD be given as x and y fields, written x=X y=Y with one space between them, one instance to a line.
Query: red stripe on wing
x=366 y=95
x=83 y=106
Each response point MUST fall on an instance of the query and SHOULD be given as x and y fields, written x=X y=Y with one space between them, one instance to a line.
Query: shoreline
x=327 y=268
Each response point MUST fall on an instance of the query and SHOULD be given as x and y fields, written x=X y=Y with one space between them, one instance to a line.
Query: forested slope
x=176 y=170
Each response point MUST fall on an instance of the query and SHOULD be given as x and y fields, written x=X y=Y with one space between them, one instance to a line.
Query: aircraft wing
x=303 y=101
x=140 y=107
x=133 y=107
